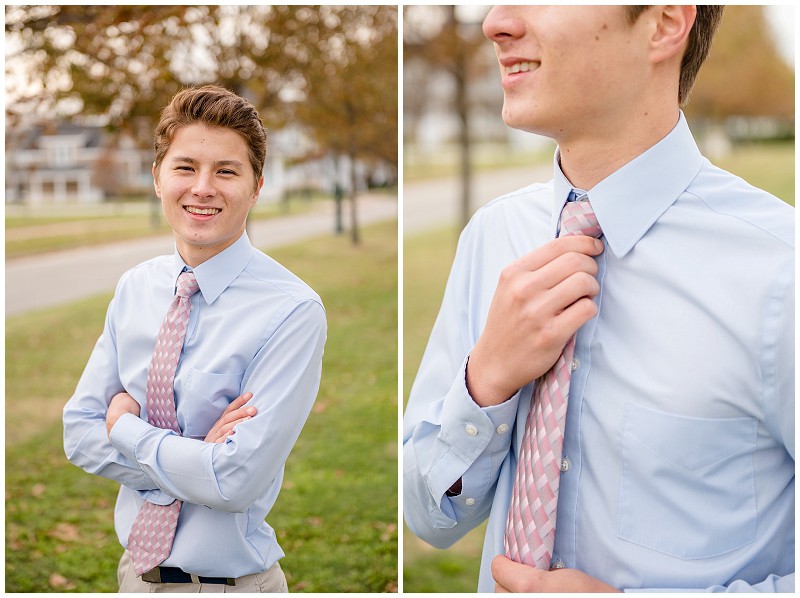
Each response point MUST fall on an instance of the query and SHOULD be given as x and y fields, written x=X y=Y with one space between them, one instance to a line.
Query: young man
x=639 y=386
x=197 y=430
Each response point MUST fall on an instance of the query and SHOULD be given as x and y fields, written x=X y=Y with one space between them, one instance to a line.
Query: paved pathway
x=429 y=204
x=51 y=279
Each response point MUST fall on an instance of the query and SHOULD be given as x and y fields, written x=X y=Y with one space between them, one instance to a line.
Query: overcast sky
x=782 y=20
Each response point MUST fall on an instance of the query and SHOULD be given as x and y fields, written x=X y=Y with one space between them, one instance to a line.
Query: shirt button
x=564 y=464
x=502 y=428
x=470 y=502
x=471 y=430
x=556 y=565
x=575 y=363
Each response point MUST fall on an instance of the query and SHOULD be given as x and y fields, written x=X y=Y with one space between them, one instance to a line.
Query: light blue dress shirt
x=253 y=327
x=678 y=469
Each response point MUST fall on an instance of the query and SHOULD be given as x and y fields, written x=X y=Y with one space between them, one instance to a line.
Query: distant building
x=68 y=163
x=71 y=163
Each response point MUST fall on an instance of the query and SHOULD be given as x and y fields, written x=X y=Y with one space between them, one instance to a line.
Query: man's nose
x=203 y=184
x=502 y=23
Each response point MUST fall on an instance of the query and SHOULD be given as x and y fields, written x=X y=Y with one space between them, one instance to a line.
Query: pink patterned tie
x=153 y=531
x=531 y=525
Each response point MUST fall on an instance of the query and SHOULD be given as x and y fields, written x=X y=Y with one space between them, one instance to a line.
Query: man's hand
x=120 y=404
x=234 y=414
x=513 y=577
x=540 y=302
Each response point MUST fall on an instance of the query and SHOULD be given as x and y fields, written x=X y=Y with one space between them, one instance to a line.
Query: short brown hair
x=697 y=46
x=212 y=106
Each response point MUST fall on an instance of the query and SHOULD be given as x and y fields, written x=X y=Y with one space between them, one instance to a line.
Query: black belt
x=175 y=575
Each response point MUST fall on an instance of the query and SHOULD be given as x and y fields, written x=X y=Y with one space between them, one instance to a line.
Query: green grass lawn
x=336 y=516
x=767 y=166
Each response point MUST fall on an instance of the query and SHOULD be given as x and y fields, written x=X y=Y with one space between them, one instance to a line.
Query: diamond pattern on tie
x=153 y=531
x=531 y=525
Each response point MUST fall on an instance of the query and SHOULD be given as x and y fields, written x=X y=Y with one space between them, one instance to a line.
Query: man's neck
x=587 y=159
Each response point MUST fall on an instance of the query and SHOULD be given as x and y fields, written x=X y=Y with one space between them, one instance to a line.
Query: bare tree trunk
x=355 y=235
x=462 y=109
x=465 y=155
x=338 y=194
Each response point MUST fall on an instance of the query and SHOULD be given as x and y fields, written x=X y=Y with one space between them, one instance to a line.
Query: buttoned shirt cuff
x=125 y=435
x=471 y=429
x=478 y=438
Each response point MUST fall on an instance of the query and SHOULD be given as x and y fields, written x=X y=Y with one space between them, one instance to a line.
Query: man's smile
x=522 y=66
x=202 y=211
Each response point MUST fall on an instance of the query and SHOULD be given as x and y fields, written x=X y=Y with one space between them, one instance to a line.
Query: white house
x=68 y=163
x=72 y=164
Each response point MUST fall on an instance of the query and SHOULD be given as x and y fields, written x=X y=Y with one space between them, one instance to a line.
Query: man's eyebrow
x=188 y=160
x=234 y=163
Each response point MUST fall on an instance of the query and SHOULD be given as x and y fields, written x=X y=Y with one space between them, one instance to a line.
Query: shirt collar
x=630 y=200
x=217 y=273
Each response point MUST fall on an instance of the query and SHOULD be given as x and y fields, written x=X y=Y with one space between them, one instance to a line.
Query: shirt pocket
x=208 y=395
x=688 y=486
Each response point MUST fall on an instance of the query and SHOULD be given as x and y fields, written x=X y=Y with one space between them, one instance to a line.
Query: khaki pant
x=271 y=580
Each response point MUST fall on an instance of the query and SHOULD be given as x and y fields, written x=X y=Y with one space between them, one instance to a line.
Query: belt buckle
x=152 y=576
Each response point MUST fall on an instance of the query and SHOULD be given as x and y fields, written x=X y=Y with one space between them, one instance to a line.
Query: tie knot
x=578 y=218
x=187 y=284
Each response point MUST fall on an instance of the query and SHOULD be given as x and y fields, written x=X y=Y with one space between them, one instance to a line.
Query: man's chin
x=524 y=122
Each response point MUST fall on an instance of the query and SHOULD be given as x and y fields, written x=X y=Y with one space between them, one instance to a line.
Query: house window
x=62 y=155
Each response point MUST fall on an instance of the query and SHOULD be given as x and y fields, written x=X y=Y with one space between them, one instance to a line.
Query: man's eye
x=186 y=168
x=225 y=171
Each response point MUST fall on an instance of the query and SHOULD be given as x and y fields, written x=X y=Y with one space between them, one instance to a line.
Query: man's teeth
x=203 y=211
x=521 y=67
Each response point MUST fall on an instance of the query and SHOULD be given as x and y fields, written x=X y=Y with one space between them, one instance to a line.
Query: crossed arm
x=238 y=411
x=244 y=451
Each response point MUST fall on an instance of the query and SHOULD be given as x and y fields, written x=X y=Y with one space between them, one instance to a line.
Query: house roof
x=31 y=138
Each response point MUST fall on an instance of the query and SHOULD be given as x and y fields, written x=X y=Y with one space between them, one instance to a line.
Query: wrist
x=120 y=405
x=486 y=390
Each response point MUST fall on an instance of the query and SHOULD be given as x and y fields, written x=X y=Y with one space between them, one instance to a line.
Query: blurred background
x=458 y=155
x=85 y=86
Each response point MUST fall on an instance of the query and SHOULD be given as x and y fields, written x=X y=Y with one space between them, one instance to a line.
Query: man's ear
x=155 y=181
x=257 y=192
x=673 y=23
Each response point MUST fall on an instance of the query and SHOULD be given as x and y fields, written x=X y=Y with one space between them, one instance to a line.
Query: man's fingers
x=238 y=402
x=562 y=267
x=550 y=251
x=231 y=427
x=504 y=572
x=514 y=577
x=563 y=295
x=225 y=430
x=576 y=315
x=239 y=414
x=234 y=413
